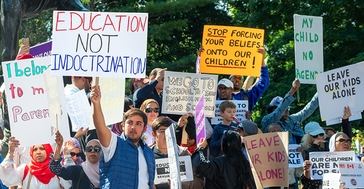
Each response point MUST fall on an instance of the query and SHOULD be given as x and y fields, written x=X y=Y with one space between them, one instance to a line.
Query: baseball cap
x=249 y=127
x=313 y=128
x=226 y=83
x=276 y=101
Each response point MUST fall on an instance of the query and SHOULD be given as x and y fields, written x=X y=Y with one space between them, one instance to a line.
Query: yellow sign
x=231 y=50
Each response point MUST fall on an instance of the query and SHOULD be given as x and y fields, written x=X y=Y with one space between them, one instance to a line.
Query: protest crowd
x=176 y=130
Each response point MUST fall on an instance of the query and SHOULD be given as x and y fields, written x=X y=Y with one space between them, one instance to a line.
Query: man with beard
x=128 y=162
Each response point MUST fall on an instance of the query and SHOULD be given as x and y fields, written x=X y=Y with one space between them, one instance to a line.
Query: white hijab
x=332 y=143
x=92 y=170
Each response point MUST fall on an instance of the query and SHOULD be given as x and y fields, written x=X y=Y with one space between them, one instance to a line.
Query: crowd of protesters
x=123 y=155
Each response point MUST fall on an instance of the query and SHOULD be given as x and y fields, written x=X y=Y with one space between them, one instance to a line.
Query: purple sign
x=41 y=50
x=200 y=119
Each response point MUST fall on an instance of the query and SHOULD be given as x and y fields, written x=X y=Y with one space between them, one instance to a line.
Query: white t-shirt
x=143 y=169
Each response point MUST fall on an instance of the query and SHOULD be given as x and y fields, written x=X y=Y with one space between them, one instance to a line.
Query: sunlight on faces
x=39 y=153
x=342 y=143
x=134 y=128
x=93 y=150
x=228 y=114
x=152 y=111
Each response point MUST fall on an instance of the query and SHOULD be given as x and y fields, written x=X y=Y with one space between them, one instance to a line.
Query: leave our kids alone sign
x=308 y=47
x=99 y=44
x=231 y=50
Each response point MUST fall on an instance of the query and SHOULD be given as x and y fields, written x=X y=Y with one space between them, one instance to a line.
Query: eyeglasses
x=342 y=140
x=149 y=110
x=75 y=154
x=96 y=149
x=321 y=135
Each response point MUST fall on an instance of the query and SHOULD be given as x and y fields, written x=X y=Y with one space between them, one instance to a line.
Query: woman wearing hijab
x=341 y=141
x=230 y=170
x=34 y=175
x=84 y=176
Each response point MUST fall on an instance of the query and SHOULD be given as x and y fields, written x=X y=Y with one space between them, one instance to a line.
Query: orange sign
x=231 y=50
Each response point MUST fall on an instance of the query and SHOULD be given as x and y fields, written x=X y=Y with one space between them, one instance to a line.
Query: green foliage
x=175 y=33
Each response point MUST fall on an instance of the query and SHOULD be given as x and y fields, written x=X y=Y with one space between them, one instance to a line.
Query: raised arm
x=103 y=133
x=345 y=124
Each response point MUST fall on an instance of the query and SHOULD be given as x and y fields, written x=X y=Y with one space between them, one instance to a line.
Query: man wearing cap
x=279 y=112
x=253 y=94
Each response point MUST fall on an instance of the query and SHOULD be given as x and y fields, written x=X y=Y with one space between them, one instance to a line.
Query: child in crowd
x=227 y=112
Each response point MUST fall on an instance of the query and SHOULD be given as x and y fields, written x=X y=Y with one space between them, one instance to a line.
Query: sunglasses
x=321 y=135
x=342 y=140
x=96 y=149
x=222 y=88
x=149 y=110
x=75 y=154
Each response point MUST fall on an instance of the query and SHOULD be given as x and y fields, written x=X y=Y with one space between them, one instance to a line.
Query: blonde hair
x=307 y=141
x=146 y=102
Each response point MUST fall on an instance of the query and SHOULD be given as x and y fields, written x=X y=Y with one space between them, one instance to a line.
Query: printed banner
x=99 y=44
x=352 y=175
x=27 y=100
x=295 y=156
x=268 y=154
x=162 y=170
x=339 y=88
x=308 y=47
x=241 y=109
x=331 y=181
x=41 y=50
x=328 y=162
x=231 y=50
x=181 y=92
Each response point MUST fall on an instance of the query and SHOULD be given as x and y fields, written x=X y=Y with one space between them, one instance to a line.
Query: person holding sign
x=227 y=112
x=279 y=112
x=256 y=92
x=128 y=162
x=83 y=176
x=35 y=174
x=338 y=142
x=159 y=126
x=230 y=170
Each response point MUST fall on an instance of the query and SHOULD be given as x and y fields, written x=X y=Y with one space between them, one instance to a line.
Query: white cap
x=226 y=83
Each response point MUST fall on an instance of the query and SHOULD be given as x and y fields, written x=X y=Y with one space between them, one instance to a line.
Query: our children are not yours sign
x=308 y=42
x=99 y=44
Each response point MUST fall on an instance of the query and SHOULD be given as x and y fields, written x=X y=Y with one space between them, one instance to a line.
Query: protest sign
x=231 y=50
x=328 y=162
x=339 y=88
x=173 y=158
x=295 y=156
x=41 y=50
x=353 y=117
x=352 y=174
x=112 y=101
x=181 y=92
x=27 y=100
x=79 y=110
x=268 y=154
x=200 y=119
x=331 y=181
x=57 y=108
x=241 y=109
x=99 y=44
x=308 y=47
x=162 y=170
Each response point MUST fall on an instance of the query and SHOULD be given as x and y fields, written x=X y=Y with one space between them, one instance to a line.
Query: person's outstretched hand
x=95 y=95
